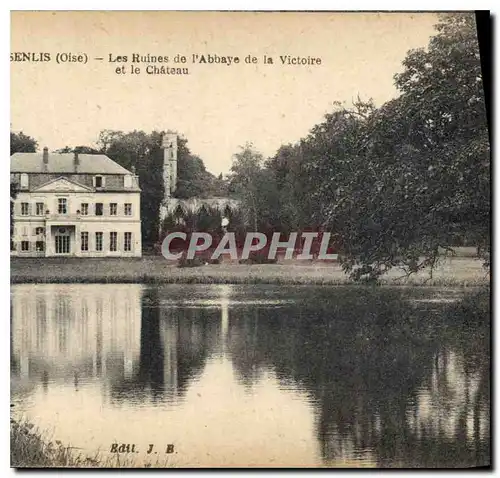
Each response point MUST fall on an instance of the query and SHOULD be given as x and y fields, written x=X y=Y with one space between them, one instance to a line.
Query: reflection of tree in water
x=453 y=400
x=174 y=345
x=367 y=359
x=197 y=331
x=248 y=357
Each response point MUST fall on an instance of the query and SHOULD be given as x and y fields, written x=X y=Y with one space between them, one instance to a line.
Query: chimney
x=45 y=159
x=76 y=161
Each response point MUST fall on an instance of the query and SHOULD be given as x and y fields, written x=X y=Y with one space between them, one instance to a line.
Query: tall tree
x=405 y=180
x=142 y=151
x=395 y=184
x=247 y=181
x=193 y=180
x=444 y=100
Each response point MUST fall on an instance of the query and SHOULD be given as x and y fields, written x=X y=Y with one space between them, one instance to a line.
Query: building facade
x=82 y=205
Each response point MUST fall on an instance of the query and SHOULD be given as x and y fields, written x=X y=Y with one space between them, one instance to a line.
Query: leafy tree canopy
x=395 y=184
x=22 y=143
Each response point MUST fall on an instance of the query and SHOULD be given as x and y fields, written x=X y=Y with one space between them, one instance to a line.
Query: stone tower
x=169 y=146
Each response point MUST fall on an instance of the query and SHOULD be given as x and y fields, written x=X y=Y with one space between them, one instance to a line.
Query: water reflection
x=268 y=376
x=60 y=333
x=173 y=351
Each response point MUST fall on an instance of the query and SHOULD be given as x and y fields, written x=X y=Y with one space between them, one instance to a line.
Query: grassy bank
x=459 y=271
x=30 y=448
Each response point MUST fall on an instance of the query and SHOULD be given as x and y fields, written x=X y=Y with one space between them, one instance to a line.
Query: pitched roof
x=64 y=163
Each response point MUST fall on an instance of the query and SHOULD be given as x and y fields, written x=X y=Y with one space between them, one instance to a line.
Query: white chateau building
x=82 y=205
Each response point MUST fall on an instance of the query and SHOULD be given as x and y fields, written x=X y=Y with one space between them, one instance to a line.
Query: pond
x=226 y=375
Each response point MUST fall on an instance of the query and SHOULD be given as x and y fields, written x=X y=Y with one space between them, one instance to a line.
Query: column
x=77 y=241
x=48 y=242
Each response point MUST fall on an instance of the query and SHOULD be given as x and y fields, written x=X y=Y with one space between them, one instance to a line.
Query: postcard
x=249 y=240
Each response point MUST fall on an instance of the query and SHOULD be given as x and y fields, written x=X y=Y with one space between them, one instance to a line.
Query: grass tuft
x=30 y=448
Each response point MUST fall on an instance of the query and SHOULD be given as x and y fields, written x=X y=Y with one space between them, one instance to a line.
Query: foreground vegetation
x=30 y=448
x=459 y=271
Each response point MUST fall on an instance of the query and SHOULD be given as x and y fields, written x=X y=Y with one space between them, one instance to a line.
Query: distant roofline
x=68 y=157
x=12 y=171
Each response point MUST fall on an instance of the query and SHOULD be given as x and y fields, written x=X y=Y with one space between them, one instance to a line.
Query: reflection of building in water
x=175 y=341
x=62 y=331
x=120 y=333
x=134 y=337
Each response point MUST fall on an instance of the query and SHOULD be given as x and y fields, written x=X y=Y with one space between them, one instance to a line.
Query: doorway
x=63 y=243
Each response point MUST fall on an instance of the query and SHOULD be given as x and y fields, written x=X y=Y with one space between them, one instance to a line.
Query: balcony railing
x=62 y=217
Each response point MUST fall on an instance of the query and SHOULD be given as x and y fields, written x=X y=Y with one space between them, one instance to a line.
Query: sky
x=217 y=107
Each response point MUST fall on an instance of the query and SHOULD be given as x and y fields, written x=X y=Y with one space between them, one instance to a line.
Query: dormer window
x=98 y=181
x=127 y=181
x=24 y=181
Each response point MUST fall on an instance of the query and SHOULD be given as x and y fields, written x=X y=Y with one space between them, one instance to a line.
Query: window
x=39 y=230
x=24 y=181
x=40 y=246
x=25 y=209
x=40 y=208
x=62 y=205
x=62 y=244
x=98 y=209
x=98 y=241
x=13 y=245
x=127 y=244
x=113 y=209
x=84 y=244
x=84 y=209
x=25 y=246
x=127 y=181
x=113 y=236
x=99 y=181
x=128 y=209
